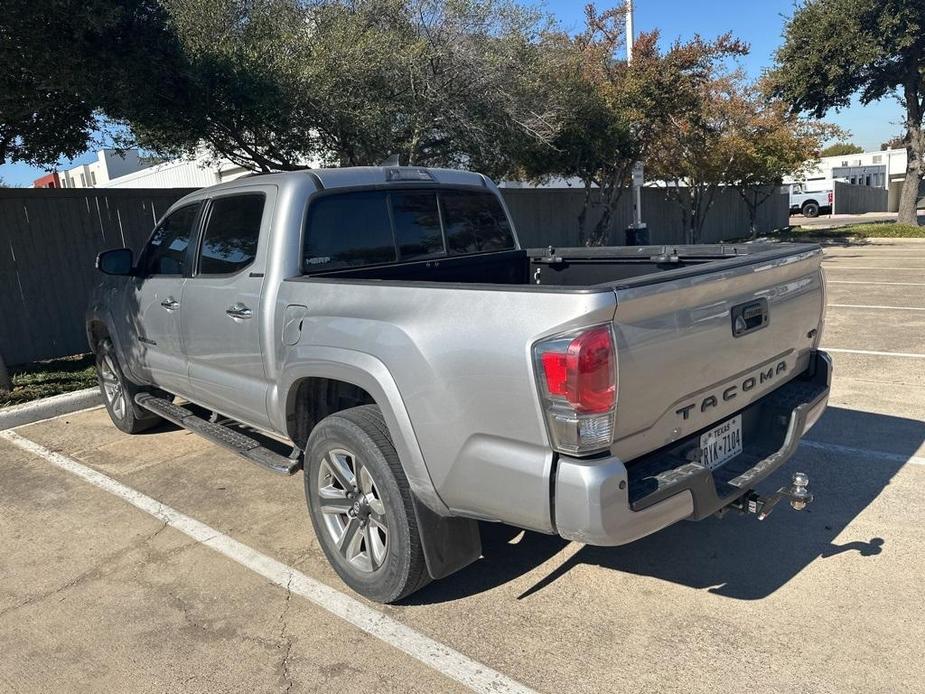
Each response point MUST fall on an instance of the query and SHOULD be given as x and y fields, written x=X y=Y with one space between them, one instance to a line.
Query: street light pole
x=638 y=173
x=629 y=31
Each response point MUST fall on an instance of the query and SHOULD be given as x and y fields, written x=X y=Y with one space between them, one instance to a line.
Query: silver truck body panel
x=450 y=364
x=676 y=347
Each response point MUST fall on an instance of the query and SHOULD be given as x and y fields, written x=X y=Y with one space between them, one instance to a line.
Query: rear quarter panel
x=461 y=359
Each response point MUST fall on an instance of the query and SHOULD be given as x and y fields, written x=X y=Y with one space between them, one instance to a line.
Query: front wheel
x=810 y=209
x=118 y=393
x=361 y=507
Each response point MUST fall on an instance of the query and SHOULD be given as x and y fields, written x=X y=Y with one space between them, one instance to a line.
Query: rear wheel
x=810 y=209
x=119 y=393
x=361 y=507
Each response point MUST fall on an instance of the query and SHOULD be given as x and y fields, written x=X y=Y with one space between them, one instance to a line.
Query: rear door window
x=348 y=230
x=475 y=222
x=417 y=224
x=229 y=242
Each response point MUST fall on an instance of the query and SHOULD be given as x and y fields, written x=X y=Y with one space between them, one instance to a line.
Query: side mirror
x=115 y=262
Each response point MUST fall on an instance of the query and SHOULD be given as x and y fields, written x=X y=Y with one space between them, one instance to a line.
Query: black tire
x=399 y=569
x=810 y=209
x=119 y=393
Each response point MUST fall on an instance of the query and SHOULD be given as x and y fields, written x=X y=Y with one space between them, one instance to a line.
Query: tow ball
x=797 y=493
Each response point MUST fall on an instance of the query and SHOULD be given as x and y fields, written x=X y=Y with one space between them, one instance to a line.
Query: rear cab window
x=374 y=227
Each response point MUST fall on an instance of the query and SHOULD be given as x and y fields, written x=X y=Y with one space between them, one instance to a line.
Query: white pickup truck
x=426 y=372
x=809 y=203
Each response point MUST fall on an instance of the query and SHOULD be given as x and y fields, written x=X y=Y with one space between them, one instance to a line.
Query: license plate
x=722 y=443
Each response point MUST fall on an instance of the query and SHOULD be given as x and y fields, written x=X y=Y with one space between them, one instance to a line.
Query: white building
x=181 y=173
x=882 y=169
x=109 y=164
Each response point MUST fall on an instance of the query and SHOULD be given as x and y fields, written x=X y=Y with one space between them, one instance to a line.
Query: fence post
x=6 y=385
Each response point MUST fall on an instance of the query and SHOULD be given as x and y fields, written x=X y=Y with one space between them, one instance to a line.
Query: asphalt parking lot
x=97 y=594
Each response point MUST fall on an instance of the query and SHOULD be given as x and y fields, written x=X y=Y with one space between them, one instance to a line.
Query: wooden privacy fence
x=857 y=199
x=549 y=216
x=50 y=238
x=48 y=242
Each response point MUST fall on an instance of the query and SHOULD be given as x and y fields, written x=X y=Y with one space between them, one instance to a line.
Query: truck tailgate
x=682 y=368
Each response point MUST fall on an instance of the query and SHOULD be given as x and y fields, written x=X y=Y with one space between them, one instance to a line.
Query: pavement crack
x=285 y=640
x=158 y=531
x=35 y=599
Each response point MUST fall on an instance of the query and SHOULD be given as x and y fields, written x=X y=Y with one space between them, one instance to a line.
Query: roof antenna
x=391 y=161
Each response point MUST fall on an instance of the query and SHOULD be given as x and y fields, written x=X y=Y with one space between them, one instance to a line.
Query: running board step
x=236 y=441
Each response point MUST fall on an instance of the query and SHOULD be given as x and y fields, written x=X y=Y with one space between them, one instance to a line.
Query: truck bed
x=568 y=267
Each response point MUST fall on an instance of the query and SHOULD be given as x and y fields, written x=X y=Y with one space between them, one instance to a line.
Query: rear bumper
x=609 y=502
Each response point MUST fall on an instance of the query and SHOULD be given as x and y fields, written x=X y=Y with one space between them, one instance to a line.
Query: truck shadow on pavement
x=735 y=556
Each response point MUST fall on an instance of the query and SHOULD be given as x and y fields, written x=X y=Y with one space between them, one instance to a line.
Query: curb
x=53 y=406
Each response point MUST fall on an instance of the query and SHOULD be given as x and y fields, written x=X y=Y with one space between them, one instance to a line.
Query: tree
x=841 y=149
x=697 y=155
x=835 y=49
x=49 y=100
x=604 y=114
x=769 y=141
x=897 y=142
x=273 y=84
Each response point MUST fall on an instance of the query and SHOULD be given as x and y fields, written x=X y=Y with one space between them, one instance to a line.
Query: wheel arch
x=99 y=325
x=347 y=378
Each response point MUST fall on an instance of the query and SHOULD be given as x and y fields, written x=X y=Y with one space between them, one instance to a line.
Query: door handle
x=239 y=310
x=170 y=304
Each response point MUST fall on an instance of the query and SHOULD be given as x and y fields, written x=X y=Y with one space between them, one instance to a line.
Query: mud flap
x=449 y=543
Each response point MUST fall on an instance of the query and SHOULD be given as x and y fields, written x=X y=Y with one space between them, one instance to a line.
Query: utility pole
x=637 y=234
x=629 y=31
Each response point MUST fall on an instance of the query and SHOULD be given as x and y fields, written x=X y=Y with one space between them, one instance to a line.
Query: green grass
x=871 y=230
x=43 y=378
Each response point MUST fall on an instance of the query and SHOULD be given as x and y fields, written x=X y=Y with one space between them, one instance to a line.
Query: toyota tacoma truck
x=382 y=330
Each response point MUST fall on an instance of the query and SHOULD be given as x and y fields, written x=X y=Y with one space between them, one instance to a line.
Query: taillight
x=830 y=196
x=578 y=382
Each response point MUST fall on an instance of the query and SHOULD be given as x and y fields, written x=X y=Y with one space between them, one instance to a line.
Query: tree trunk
x=915 y=150
x=583 y=215
x=910 y=194
x=6 y=385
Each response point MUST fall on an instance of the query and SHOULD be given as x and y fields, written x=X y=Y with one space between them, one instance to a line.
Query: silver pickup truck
x=382 y=329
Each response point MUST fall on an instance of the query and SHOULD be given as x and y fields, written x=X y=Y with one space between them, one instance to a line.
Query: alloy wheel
x=352 y=510
x=112 y=387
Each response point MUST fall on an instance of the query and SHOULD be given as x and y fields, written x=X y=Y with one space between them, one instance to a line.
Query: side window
x=348 y=230
x=229 y=242
x=475 y=222
x=417 y=224
x=165 y=253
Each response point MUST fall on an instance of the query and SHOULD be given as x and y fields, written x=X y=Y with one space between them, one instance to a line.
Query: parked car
x=428 y=373
x=810 y=203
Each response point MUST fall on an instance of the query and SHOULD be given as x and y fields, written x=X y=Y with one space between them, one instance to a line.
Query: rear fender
x=370 y=374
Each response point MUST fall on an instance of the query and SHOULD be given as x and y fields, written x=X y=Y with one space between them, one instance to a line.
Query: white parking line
x=890 y=284
x=863 y=452
x=434 y=654
x=829 y=267
x=905 y=355
x=887 y=308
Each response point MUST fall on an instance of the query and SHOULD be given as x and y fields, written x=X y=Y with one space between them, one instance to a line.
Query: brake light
x=584 y=372
x=578 y=374
x=830 y=196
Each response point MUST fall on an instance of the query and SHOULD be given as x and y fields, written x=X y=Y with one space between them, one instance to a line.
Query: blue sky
x=759 y=22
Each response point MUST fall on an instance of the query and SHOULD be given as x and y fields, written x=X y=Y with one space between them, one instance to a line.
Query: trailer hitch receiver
x=798 y=494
